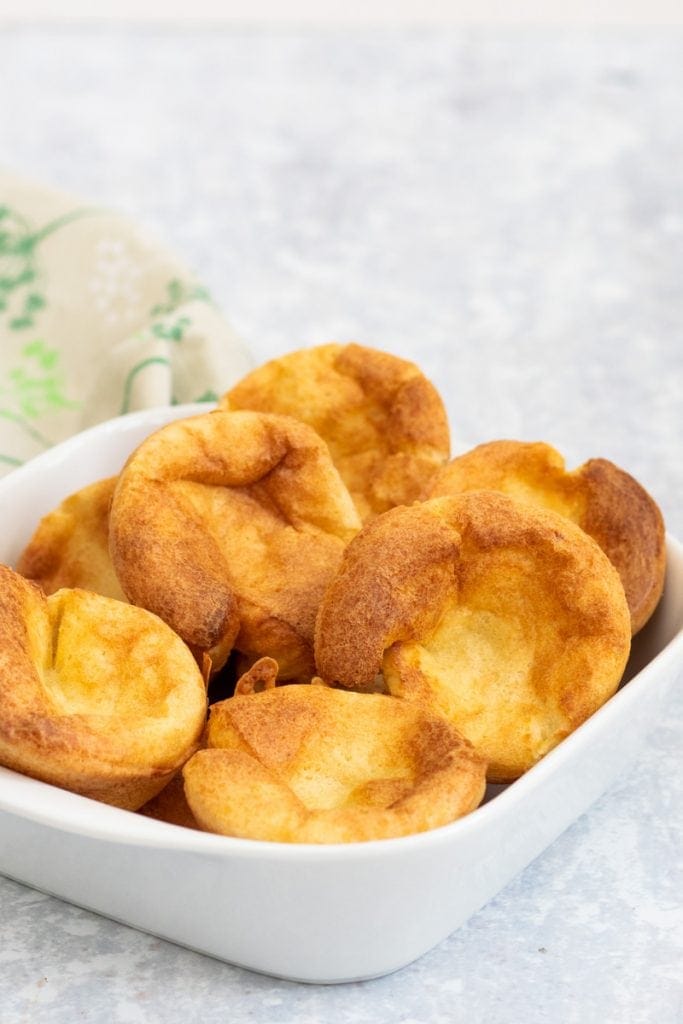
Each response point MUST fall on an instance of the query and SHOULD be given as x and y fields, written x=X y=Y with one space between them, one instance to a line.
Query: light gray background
x=504 y=207
x=353 y=12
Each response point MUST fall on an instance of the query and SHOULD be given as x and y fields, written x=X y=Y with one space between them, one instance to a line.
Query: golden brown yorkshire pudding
x=70 y=547
x=229 y=526
x=307 y=764
x=598 y=496
x=96 y=696
x=506 y=619
x=383 y=421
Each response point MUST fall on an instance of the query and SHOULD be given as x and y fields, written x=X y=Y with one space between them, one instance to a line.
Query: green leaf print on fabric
x=21 y=293
x=178 y=294
x=133 y=373
x=34 y=389
x=206 y=396
x=169 y=323
x=174 y=331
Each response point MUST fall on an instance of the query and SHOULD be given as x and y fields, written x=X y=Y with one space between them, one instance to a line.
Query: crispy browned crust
x=506 y=618
x=393 y=581
x=309 y=764
x=96 y=696
x=229 y=526
x=383 y=421
x=70 y=547
x=628 y=525
x=261 y=676
x=601 y=498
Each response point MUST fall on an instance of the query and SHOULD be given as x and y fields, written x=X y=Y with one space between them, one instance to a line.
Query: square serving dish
x=310 y=913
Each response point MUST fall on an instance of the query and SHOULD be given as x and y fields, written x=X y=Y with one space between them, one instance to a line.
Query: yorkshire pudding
x=384 y=423
x=70 y=547
x=602 y=499
x=308 y=764
x=506 y=619
x=96 y=696
x=229 y=526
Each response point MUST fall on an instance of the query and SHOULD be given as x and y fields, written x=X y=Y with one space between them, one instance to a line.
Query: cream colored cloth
x=96 y=320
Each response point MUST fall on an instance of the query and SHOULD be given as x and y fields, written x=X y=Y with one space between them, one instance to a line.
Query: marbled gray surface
x=506 y=209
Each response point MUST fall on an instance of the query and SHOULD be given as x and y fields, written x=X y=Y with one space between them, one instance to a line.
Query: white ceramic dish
x=319 y=914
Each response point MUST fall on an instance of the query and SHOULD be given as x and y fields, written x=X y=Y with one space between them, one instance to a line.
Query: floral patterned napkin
x=96 y=320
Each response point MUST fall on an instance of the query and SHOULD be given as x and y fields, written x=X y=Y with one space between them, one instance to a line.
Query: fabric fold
x=96 y=320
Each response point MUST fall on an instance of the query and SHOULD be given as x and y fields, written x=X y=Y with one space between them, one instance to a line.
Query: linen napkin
x=96 y=320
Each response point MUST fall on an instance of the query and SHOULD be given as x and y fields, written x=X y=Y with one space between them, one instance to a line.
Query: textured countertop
x=507 y=210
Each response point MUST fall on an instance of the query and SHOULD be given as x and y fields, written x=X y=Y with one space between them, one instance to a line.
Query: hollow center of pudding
x=478 y=668
x=558 y=494
x=561 y=498
x=112 y=660
x=333 y=749
x=362 y=773
x=278 y=568
x=489 y=667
